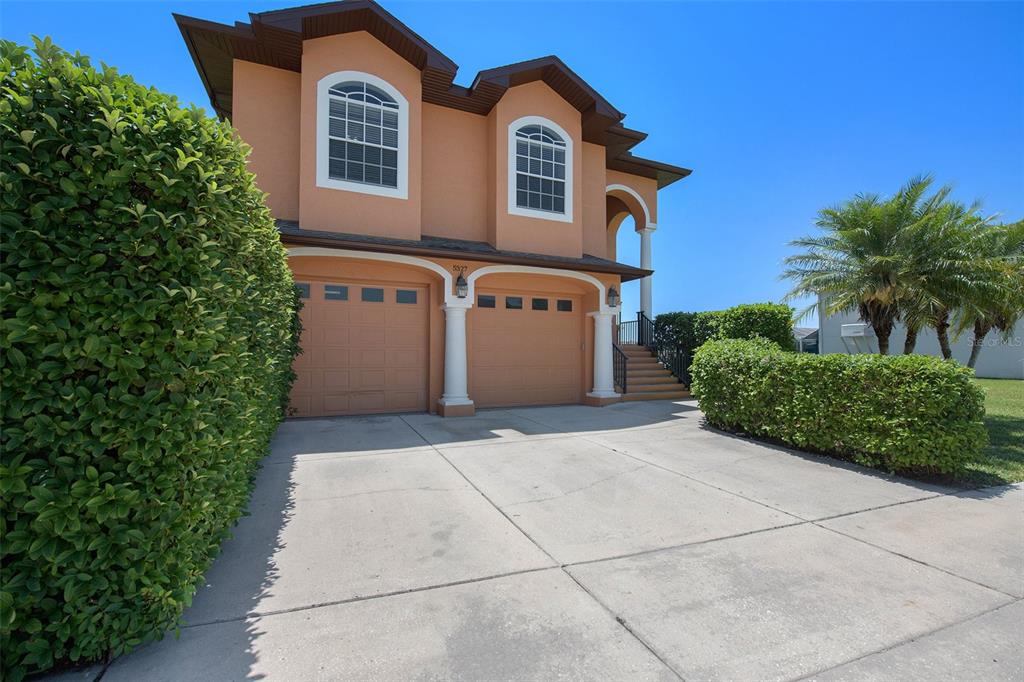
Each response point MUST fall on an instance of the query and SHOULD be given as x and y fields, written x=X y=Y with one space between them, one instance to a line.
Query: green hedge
x=148 y=334
x=908 y=413
x=672 y=328
x=773 y=321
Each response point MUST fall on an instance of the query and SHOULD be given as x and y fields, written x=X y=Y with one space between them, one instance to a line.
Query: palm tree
x=1002 y=250
x=950 y=271
x=864 y=260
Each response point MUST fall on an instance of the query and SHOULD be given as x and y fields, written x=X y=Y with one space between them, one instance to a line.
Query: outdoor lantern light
x=613 y=297
x=461 y=287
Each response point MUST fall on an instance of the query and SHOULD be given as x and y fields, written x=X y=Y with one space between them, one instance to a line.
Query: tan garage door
x=526 y=349
x=364 y=349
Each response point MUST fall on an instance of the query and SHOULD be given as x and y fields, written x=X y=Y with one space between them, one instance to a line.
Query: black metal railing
x=671 y=355
x=675 y=360
x=620 y=364
x=627 y=332
x=645 y=330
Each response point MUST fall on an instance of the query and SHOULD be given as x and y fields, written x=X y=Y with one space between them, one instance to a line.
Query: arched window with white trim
x=362 y=135
x=540 y=169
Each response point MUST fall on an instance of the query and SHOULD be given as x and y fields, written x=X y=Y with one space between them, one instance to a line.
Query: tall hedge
x=908 y=413
x=772 y=321
x=676 y=328
x=146 y=350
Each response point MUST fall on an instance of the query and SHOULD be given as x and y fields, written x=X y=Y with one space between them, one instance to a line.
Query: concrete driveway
x=627 y=542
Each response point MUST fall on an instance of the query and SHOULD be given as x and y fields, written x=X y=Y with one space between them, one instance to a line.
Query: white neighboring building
x=999 y=359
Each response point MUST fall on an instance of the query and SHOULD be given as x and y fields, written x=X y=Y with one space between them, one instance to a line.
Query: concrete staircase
x=647 y=379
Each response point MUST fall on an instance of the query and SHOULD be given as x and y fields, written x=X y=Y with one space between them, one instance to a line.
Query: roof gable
x=275 y=39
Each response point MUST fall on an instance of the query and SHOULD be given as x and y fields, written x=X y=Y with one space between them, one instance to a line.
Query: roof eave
x=628 y=273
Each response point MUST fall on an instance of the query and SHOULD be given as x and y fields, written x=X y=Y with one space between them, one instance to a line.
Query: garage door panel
x=405 y=357
x=362 y=337
x=330 y=356
x=403 y=401
x=405 y=315
x=370 y=314
x=362 y=356
x=402 y=337
x=333 y=335
x=368 y=380
x=336 y=380
x=403 y=378
x=335 y=403
x=334 y=313
x=563 y=356
x=367 y=357
x=556 y=376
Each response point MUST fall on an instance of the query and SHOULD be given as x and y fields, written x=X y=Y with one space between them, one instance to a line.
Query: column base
x=447 y=407
x=601 y=398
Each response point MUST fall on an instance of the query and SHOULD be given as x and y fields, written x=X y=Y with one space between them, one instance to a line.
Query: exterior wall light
x=613 y=297
x=461 y=286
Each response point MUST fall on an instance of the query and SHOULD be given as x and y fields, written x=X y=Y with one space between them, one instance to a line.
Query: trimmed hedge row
x=908 y=413
x=772 y=321
x=147 y=341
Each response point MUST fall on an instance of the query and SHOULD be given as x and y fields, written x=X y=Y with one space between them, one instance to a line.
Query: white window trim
x=323 y=178
x=569 y=178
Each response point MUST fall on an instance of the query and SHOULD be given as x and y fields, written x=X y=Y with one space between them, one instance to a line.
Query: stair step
x=674 y=395
x=651 y=388
x=664 y=377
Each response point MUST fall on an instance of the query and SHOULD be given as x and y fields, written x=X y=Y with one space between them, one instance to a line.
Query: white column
x=455 y=388
x=645 y=263
x=604 y=375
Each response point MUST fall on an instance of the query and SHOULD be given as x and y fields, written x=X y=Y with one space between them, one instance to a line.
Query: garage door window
x=564 y=306
x=405 y=296
x=485 y=301
x=540 y=304
x=373 y=295
x=514 y=302
x=333 y=292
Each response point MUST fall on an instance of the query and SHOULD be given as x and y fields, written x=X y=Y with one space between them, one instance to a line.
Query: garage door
x=364 y=349
x=526 y=349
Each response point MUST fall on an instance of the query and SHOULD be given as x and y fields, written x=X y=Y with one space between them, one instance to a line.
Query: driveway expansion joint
x=562 y=567
x=917 y=561
x=907 y=640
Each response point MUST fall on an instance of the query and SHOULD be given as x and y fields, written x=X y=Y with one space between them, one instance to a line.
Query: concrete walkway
x=629 y=542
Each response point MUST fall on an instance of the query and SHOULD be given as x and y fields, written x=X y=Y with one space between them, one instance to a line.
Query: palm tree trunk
x=981 y=329
x=883 y=340
x=911 y=341
x=882 y=329
x=942 y=331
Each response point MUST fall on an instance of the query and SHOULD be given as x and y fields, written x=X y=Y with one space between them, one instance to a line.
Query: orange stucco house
x=455 y=245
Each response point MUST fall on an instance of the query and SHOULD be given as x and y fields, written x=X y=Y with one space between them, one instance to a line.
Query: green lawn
x=1003 y=460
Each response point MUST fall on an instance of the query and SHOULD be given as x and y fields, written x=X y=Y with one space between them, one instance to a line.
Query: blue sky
x=779 y=108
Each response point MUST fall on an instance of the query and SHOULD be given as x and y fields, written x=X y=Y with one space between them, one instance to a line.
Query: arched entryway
x=623 y=205
x=530 y=341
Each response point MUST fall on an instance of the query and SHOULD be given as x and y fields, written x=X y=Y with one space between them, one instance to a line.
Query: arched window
x=540 y=169
x=362 y=135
